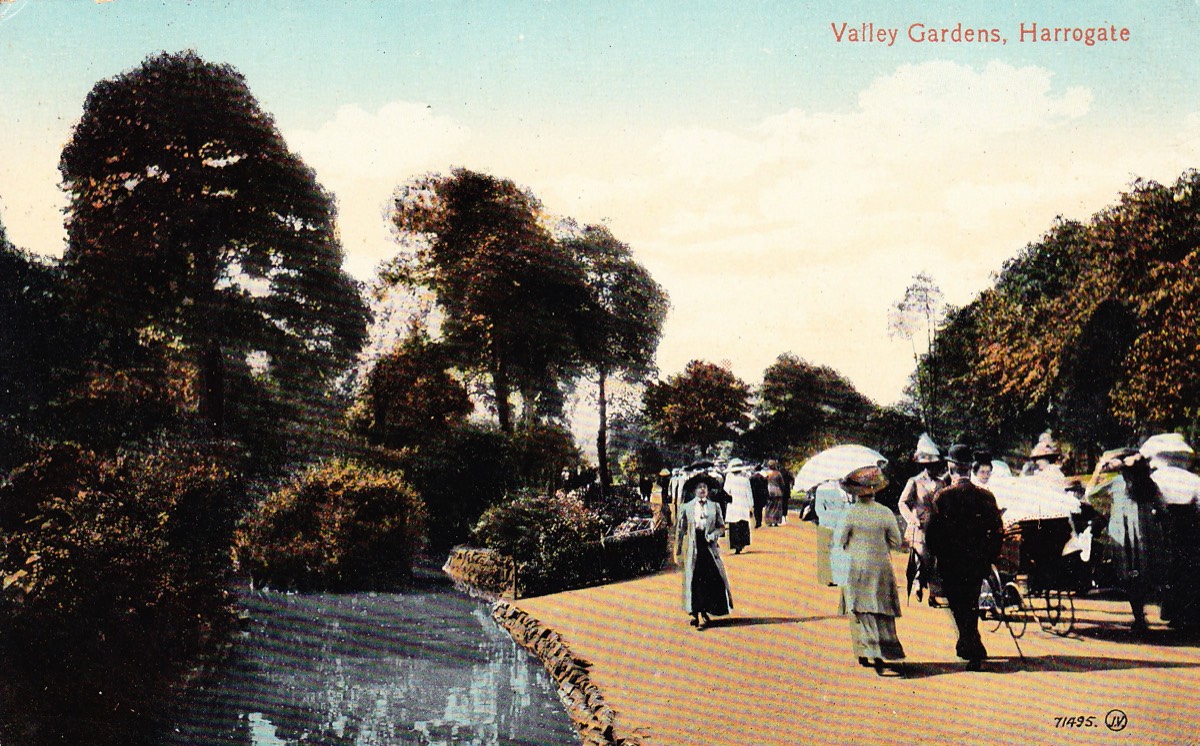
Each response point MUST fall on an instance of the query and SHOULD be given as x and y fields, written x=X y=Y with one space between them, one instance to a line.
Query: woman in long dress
x=741 y=506
x=868 y=533
x=1135 y=526
x=705 y=584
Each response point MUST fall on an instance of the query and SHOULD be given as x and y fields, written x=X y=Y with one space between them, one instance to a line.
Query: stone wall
x=584 y=702
x=481 y=570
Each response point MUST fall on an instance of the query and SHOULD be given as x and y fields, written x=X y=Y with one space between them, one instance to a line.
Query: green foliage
x=337 y=526
x=37 y=347
x=699 y=407
x=546 y=536
x=802 y=408
x=409 y=397
x=515 y=303
x=197 y=240
x=630 y=307
x=458 y=476
x=112 y=580
x=1091 y=331
x=626 y=325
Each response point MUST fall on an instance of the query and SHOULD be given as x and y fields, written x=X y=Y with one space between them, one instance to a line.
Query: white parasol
x=1031 y=498
x=835 y=463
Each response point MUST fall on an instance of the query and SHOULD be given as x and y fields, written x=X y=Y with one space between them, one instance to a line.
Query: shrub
x=338 y=526
x=458 y=477
x=113 y=577
x=547 y=538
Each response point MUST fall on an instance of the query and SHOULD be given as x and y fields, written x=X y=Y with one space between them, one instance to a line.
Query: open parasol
x=1031 y=498
x=835 y=463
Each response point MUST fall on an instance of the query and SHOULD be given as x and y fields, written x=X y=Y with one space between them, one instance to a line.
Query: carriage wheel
x=991 y=602
x=1055 y=611
x=1016 y=609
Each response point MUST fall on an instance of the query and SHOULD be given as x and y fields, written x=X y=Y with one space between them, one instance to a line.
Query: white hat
x=734 y=463
x=1166 y=445
x=1046 y=447
x=927 y=450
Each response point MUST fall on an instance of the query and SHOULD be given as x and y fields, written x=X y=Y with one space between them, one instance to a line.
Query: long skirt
x=739 y=535
x=874 y=636
x=774 y=513
x=709 y=594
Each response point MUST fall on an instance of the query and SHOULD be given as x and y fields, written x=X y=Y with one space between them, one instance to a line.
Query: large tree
x=805 y=407
x=625 y=328
x=515 y=303
x=698 y=408
x=192 y=223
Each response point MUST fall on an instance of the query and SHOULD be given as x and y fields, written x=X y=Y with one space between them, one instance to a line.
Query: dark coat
x=964 y=532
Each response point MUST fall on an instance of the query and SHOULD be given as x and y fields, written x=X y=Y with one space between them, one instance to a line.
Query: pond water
x=427 y=666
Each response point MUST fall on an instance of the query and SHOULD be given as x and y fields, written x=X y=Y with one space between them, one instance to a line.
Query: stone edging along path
x=584 y=702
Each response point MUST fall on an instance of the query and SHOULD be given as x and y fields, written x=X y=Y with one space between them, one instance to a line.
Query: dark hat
x=960 y=453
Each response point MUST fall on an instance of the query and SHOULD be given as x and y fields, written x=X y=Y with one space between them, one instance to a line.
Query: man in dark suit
x=964 y=536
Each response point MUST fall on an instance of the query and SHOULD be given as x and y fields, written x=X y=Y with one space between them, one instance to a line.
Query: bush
x=458 y=477
x=112 y=579
x=547 y=537
x=338 y=526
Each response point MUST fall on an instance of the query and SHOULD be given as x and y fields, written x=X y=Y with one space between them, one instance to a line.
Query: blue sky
x=783 y=186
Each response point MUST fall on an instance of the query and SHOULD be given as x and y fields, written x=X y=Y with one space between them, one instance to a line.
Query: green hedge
x=338 y=526
x=558 y=543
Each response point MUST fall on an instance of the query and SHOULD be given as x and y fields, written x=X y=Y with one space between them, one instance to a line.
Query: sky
x=782 y=182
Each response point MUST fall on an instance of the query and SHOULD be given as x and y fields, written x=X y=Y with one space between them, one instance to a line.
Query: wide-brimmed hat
x=927 y=451
x=1166 y=445
x=865 y=481
x=689 y=486
x=1046 y=447
x=735 y=464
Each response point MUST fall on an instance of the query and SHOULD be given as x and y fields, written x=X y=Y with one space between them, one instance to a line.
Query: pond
x=426 y=666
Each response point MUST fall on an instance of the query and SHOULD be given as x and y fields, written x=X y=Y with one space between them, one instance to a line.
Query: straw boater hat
x=864 y=481
x=927 y=451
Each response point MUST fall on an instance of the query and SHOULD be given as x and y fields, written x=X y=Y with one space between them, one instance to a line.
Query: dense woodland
x=185 y=401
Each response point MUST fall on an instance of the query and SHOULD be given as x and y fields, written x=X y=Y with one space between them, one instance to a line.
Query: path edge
x=592 y=717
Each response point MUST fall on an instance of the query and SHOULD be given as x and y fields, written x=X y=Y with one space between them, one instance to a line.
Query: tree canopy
x=1094 y=330
x=629 y=309
x=193 y=224
x=516 y=305
x=700 y=407
x=803 y=408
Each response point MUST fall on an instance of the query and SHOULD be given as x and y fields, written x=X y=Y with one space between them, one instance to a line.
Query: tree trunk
x=602 y=440
x=212 y=388
x=503 y=406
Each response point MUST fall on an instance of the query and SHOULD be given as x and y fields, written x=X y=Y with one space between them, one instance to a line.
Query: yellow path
x=779 y=669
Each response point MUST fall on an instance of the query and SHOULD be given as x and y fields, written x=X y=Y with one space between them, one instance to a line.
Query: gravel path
x=779 y=670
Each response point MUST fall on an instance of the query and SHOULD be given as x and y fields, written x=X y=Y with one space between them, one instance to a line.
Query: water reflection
x=426 y=667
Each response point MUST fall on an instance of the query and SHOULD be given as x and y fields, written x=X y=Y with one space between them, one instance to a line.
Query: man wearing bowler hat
x=964 y=535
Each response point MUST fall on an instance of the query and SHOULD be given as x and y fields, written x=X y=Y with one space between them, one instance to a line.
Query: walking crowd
x=956 y=517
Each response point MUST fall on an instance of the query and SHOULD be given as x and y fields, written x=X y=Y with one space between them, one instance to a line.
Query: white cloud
x=363 y=156
x=797 y=232
x=791 y=233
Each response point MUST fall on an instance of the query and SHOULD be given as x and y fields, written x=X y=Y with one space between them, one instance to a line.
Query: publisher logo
x=1116 y=720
